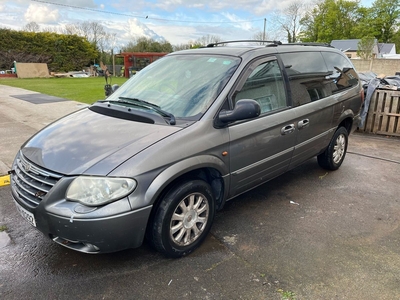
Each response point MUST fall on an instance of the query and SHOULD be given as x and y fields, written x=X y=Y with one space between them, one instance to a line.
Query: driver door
x=261 y=148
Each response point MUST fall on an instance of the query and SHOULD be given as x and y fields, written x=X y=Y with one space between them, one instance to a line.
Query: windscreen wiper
x=155 y=107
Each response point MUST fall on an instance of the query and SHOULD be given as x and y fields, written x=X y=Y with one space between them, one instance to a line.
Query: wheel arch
x=346 y=120
x=208 y=168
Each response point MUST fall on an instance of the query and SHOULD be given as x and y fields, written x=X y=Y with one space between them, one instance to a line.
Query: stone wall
x=389 y=67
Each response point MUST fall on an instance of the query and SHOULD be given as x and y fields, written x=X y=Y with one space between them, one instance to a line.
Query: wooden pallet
x=384 y=113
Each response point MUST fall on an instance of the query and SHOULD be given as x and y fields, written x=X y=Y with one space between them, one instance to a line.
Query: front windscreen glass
x=181 y=85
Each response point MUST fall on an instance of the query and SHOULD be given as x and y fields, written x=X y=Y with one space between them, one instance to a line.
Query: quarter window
x=341 y=69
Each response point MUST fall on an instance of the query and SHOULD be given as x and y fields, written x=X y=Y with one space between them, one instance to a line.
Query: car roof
x=241 y=51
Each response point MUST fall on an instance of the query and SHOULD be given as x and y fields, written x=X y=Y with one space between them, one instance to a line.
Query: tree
x=396 y=40
x=259 y=36
x=363 y=26
x=289 y=20
x=144 y=44
x=181 y=47
x=93 y=31
x=205 y=40
x=331 y=20
x=31 y=27
x=385 y=19
x=366 y=47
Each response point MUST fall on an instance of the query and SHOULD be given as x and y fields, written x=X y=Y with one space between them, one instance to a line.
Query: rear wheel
x=183 y=218
x=333 y=156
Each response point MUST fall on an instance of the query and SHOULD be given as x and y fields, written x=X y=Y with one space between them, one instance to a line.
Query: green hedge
x=61 y=52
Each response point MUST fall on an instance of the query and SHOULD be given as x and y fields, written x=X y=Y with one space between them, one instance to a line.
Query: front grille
x=30 y=182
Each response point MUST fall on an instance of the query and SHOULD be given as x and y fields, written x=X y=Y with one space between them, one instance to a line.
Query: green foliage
x=287 y=295
x=366 y=47
x=61 y=52
x=144 y=44
x=363 y=27
x=345 y=19
x=385 y=19
x=396 y=40
x=330 y=20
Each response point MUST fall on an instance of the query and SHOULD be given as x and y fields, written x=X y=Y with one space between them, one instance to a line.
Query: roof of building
x=352 y=45
x=349 y=45
x=386 y=48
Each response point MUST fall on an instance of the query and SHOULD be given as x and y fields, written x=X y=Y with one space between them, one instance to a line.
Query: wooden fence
x=384 y=113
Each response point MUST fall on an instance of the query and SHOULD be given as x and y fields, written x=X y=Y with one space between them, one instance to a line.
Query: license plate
x=27 y=215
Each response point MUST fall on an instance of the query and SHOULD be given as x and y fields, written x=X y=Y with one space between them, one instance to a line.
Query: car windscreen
x=181 y=85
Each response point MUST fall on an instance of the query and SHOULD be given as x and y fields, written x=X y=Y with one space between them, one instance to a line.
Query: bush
x=61 y=52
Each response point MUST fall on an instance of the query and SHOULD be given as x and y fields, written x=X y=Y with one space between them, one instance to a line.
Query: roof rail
x=270 y=43
x=310 y=44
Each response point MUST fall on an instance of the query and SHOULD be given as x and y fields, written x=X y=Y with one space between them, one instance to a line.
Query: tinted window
x=304 y=63
x=341 y=69
x=265 y=85
x=308 y=76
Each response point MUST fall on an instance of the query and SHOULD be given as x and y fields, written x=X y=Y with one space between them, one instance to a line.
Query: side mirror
x=114 y=87
x=110 y=89
x=244 y=109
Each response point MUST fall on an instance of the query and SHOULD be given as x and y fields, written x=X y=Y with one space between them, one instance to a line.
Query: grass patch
x=86 y=90
x=3 y=228
x=287 y=295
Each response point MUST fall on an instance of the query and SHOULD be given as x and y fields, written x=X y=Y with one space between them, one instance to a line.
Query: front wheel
x=333 y=156
x=183 y=218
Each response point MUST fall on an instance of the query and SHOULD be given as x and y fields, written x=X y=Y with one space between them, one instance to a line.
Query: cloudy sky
x=177 y=21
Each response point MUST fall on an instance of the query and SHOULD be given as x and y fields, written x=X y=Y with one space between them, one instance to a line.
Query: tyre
x=333 y=156
x=183 y=218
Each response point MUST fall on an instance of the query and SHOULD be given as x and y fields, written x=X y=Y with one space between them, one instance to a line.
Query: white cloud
x=41 y=14
x=131 y=29
x=176 y=34
x=138 y=29
x=79 y=3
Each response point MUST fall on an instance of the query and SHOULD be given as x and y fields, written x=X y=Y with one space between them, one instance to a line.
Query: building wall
x=389 y=67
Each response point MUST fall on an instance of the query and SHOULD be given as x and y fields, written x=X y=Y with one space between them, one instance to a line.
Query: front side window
x=265 y=85
x=182 y=85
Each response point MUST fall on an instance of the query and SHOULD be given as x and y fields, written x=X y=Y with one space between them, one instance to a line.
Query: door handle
x=287 y=129
x=303 y=123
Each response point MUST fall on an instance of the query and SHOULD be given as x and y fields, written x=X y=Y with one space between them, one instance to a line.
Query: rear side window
x=341 y=69
x=309 y=78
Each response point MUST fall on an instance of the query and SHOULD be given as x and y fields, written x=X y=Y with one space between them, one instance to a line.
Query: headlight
x=94 y=191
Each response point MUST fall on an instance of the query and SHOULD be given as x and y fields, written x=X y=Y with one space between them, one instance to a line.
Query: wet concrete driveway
x=309 y=233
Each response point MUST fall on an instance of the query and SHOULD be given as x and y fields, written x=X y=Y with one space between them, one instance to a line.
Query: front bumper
x=39 y=195
x=101 y=235
x=90 y=235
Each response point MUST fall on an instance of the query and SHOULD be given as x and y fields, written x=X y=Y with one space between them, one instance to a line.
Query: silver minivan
x=196 y=128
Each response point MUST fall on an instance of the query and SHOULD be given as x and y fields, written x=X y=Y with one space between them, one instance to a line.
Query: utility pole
x=265 y=21
x=113 y=61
